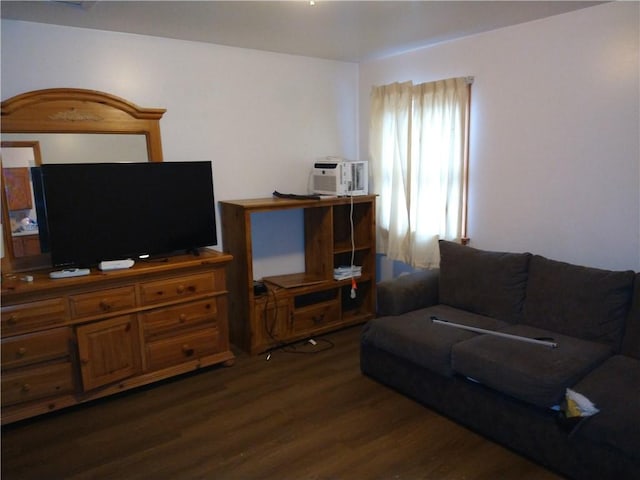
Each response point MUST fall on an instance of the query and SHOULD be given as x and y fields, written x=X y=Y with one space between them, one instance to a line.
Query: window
x=418 y=146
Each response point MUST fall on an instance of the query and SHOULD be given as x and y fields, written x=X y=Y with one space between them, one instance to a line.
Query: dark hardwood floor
x=296 y=416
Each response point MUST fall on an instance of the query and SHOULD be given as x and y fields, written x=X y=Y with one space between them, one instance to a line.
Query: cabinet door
x=108 y=351
x=31 y=245
x=26 y=245
x=18 y=188
x=18 y=247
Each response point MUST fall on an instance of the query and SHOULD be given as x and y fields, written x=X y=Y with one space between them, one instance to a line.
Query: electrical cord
x=353 y=242
x=294 y=347
x=328 y=345
x=269 y=328
x=354 y=285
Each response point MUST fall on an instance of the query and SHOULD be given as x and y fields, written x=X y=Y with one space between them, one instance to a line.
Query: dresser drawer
x=310 y=318
x=103 y=301
x=36 y=382
x=180 y=317
x=175 y=350
x=29 y=316
x=35 y=347
x=176 y=288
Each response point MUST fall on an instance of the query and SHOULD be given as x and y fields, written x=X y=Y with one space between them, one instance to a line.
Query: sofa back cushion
x=584 y=302
x=483 y=282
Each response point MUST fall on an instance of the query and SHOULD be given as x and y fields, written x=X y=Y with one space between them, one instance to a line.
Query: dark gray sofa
x=511 y=391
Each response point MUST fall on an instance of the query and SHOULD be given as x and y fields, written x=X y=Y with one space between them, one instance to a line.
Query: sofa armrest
x=408 y=292
x=631 y=339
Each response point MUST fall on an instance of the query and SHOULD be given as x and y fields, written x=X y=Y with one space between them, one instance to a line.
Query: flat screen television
x=114 y=211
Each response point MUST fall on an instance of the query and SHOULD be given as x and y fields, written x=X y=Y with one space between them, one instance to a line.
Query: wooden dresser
x=68 y=341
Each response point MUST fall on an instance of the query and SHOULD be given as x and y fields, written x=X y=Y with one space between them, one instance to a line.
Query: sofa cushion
x=614 y=387
x=533 y=373
x=483 y=282
x=415 y=337
x=583 y=302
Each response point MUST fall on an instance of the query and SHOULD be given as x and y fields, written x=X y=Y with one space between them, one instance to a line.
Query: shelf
x=293 y=280
x=346 y=248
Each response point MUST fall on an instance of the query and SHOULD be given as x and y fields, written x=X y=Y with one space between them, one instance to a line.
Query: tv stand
x=72 y=340
x=301 y=304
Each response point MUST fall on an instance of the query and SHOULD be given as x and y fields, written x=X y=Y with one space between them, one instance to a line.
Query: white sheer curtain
x=418 y=136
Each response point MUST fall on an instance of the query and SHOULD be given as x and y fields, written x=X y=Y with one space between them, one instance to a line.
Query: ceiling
x=352 y=31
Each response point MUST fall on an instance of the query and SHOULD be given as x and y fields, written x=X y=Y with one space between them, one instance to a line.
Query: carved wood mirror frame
x=72 y=110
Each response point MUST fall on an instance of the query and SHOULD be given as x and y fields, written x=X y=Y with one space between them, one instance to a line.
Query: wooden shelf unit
x=71 y=340
x=301 y=304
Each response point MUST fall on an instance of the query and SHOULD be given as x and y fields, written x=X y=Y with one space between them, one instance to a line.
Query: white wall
x=555 y=155
x=261 y=118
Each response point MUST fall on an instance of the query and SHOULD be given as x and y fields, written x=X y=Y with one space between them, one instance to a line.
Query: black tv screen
x=114 y=211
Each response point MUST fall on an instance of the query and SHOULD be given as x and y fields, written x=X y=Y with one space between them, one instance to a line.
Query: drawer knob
x=26 y=387
x=187 y=350
x=105 y=306
x=12 y=320
x=318 y=319
x=180 y=289
x=22 y=351
x=182 y=317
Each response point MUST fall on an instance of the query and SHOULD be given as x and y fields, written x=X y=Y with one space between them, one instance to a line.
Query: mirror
x=21 y=219
x=85 y=147
x=63 y=125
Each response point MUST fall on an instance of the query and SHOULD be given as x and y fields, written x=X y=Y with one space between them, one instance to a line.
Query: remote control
x=70 y=272
x=115 y=264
